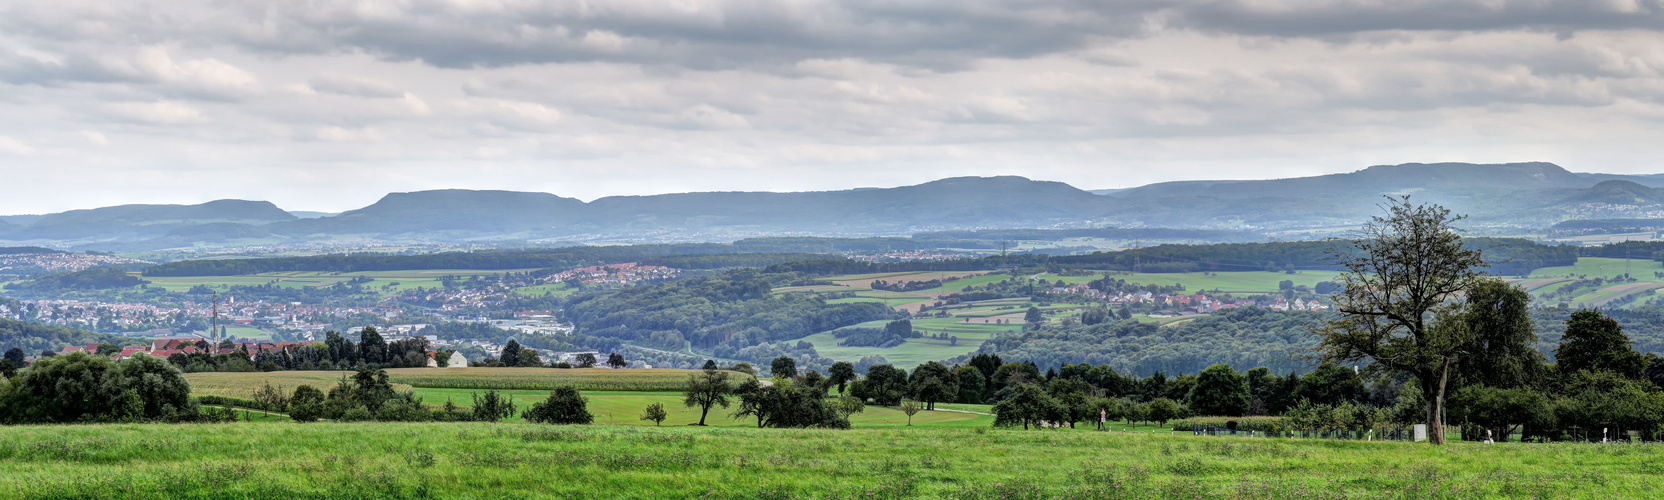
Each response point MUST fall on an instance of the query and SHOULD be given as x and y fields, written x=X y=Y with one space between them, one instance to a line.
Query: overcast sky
x=328 y=105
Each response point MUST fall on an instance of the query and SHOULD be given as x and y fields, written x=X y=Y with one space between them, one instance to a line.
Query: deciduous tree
x=1400 y=271
x=655 y=413
x=707 y=389
x=1219 y=390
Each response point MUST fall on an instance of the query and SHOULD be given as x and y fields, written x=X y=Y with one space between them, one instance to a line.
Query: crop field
x=281 y=460
x=385 y=281
x=536 y=379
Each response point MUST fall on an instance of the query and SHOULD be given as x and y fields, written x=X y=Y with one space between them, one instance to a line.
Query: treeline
x=98 y=278
x=724 y=312
x=27 y=250
x=1507 y=257
x=985 y=239
x=1243 y=338
x=83 y=388
x=35 y=338
x=368 y=396
x=991 y=238
x=686 y=256
x=336 y=352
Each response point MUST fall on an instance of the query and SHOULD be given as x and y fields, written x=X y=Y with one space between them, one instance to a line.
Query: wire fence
x=1375 y=434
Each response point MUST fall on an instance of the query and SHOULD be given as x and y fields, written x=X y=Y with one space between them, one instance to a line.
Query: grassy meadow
x=240 y=385
x=624 y=408
x=280 y=460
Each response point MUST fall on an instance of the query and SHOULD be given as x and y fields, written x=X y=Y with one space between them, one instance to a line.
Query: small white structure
x=457 y=361
x=1421 y=432
x=433 y=363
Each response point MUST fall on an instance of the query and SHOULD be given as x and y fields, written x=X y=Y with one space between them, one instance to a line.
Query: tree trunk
x=702 y=412
x=1437 y=432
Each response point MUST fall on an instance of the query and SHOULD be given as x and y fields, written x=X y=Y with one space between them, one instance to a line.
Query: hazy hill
x=958 y=202
x=138 y=221
x=449 y=210
x=1618 y=193
x=1530 y=193
x=1520 y=195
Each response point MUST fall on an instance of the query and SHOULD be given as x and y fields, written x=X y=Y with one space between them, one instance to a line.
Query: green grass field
x=280 y=460
x=624 y=408
x=1640 y=268
x=240 y=385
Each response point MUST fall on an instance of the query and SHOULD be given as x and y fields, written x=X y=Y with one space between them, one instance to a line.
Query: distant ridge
x=1522 y=195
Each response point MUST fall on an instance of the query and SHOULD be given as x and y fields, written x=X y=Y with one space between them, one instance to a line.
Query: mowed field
x=507 y=460
x=240 y=385
x=624 y=408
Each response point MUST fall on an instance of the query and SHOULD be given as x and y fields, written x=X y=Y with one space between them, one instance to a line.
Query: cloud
x=354 y=86
x=13 y=146
x=635 y=96
x=158 y=113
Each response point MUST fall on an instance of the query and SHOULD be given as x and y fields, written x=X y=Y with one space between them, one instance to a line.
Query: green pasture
x=915 y=351
x=961 y=284
x=242 y=384
x=244 y=332
x=624 y=408
x=887 y=302
x=1640 y=268
x=280 y=460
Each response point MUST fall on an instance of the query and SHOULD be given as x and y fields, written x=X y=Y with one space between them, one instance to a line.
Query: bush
x=1243 y=424
x=564 y=406
x=80 y=388
x=493 y=407
x=357 y=414
x=309 y=412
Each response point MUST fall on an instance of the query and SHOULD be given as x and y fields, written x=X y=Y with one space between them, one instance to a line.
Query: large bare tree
x=1401 y=275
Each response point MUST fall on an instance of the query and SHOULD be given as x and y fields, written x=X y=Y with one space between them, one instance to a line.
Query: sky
x=329 y=104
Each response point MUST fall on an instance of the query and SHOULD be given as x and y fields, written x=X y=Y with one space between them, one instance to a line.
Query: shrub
x=564 y=406
x=493 y=407
x=357 y=414
x=1244 y=424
